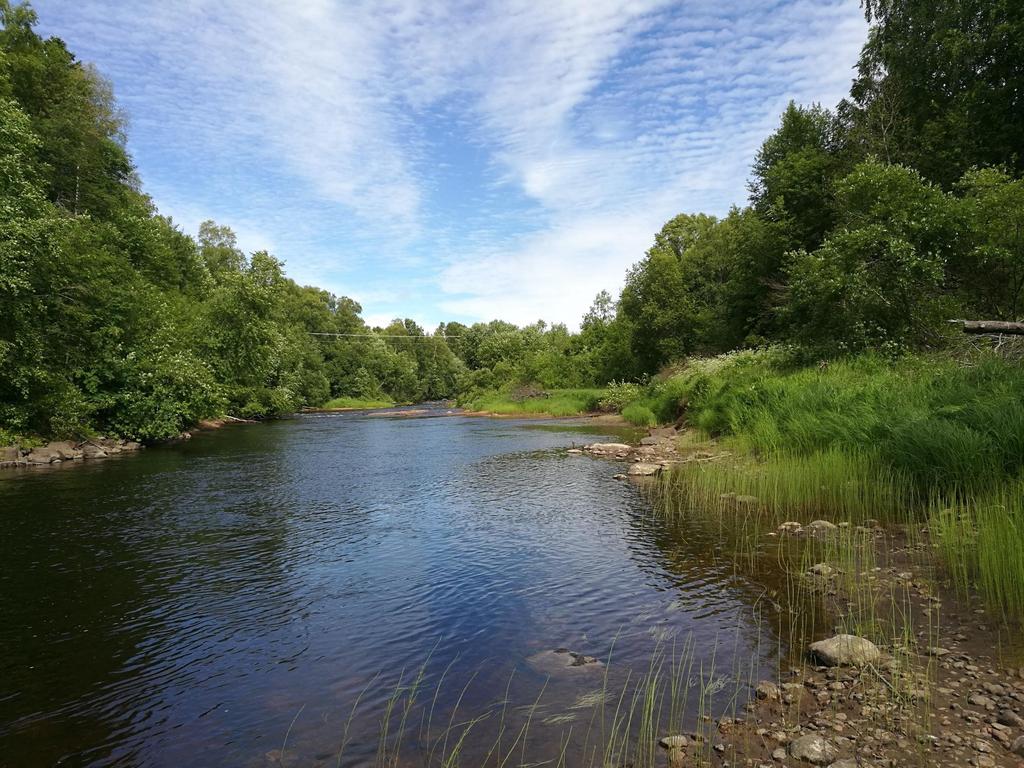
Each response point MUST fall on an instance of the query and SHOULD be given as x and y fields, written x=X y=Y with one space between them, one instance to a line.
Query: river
x=228 y=600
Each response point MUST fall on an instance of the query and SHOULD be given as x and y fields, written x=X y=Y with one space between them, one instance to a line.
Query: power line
x=382 y=336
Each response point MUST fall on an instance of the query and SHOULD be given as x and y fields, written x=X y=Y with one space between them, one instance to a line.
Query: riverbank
x=942 y=680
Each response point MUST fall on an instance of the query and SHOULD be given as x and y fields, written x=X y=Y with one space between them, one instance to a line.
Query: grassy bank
x=557 y=402
x=925 y=442
x=340 y=403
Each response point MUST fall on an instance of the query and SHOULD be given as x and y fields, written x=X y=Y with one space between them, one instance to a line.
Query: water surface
x=199 y=603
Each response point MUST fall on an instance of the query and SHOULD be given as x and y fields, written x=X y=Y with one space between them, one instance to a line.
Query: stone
x=1018 y=746
x=937 y=652
x=820 y=527
x=747 y=501
x=767 y=691
x=824 y=570
x=845 y=650
x=675 y=746
x=90 y=451
x=779 y=754
x=851 y=762
x=979 y=700
x=1010 y=718
x=608 y=448
x=643 y=469
x=65 y=450
x=677 y=741
x=45 y=455
x=814 y=749
x=9 y=453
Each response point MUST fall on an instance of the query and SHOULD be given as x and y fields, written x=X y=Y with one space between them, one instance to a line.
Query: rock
x=656 y=441
x=824 y=570
x=673 y=742
x=937 y=652
x=9 y=453
x=1018 y=746
x=90 y=451
x=65 y=450
x=845 y=650
x=574 y=451
x=643 y=469
x=767 y=691
x=608 y=448
x=779 y=754
x=130 y=445
x=619 y=476
x=45 y=455
x=820 y=528
x=850 y=762
x=813 y=749
x=675 y=746
x=1010 y=718
x=790 y=526
x=979 y=700
x=747 y=501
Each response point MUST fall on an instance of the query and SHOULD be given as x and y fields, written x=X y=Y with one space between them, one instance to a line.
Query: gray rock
x=747 y=501
x=608 y=448
x=1018 y=746
x=1010 y=718
x=44 y=455
x=845 y=650
x=90 y=451
x=65 y=450
x=824 y=570
x=643 y=469
x=9 y=453
x=814 y=749
x=851 y=762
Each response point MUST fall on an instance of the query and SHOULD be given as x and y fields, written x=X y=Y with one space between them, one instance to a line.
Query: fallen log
x=990 y=326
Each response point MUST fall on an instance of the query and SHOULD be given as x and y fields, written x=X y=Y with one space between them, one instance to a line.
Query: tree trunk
x=990 y=326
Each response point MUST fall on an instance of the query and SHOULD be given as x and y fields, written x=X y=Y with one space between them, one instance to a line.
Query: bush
x=639 y=415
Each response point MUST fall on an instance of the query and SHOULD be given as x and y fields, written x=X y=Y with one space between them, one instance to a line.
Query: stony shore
x=60 y=451
x=944 y=692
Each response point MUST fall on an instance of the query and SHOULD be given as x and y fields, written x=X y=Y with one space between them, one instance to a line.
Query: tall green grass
x=558 y=402
x=920 y=439
x=943 y=424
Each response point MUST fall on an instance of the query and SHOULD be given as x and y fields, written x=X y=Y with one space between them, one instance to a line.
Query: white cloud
x=315 y=127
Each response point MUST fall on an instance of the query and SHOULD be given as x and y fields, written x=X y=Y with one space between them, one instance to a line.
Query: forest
x=869 y=225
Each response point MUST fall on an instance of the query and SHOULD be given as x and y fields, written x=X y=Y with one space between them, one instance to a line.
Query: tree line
x=868 y=225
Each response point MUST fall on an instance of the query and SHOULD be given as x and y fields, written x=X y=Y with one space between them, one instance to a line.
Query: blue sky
x=456 y=160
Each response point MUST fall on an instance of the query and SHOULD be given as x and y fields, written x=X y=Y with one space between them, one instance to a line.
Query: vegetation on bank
x=558 y=402
x=355 y=403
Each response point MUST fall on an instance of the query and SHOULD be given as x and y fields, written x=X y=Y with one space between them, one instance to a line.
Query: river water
x=256 y=596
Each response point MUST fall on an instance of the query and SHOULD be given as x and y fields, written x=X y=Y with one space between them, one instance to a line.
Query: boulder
x=608 y=448
x=9 y=453
x=845 y=650
x=824 y=570
x=90 y=451
x=814 y=749
x=643 y=469
x=43 y=455
x=851 y=762
x=65 y=450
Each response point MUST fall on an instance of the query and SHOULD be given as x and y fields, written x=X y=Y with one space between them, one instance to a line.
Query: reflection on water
x=209 y=598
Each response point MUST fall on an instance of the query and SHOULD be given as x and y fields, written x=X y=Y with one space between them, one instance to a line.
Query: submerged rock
x=767 y=691
x=814 y=749
x=824 y=570
x=845 y=651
